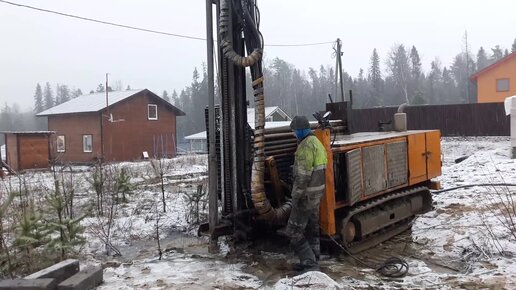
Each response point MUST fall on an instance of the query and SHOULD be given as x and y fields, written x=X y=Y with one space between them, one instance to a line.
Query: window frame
x=508 y=85
x=149 y=111
x=58 y=148
x=84 y=150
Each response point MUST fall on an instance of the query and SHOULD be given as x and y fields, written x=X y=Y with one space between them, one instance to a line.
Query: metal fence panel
x=486 y=119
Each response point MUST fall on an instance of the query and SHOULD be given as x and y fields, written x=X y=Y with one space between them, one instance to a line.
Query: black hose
x=472 y=185
x=393 y=267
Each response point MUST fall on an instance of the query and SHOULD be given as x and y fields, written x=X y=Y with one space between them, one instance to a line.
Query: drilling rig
x=376 y=182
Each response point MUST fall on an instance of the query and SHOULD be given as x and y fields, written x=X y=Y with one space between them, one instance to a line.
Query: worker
x=307 y=191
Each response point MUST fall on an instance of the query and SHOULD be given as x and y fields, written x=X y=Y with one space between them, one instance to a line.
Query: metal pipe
x=212 y=165
x=402 y=107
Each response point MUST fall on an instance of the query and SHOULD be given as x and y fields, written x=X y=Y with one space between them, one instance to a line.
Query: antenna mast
x=107 y=99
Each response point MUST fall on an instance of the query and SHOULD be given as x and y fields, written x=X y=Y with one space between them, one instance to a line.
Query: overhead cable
x=142 y=29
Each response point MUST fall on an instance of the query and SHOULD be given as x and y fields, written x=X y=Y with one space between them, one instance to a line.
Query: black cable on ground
x=393 y=267
x=472 y=185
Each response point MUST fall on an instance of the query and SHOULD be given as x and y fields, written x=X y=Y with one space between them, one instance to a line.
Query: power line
x=102 y=22
x=144 y=29
x=301 y=44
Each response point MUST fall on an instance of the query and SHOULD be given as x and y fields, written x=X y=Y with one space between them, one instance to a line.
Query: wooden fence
x=486 y=119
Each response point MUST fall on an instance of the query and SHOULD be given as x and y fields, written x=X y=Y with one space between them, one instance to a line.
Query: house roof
x=268 y=111
x=492 y=66
x=268 y=125
x=97 y=102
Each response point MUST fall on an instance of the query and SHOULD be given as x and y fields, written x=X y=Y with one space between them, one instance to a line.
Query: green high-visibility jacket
x=309 y=168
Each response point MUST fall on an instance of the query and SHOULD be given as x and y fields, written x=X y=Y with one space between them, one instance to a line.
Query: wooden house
x=497 y=81
x=114 y=126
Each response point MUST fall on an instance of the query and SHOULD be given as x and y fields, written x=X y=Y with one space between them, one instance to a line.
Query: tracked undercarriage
x=377 y=220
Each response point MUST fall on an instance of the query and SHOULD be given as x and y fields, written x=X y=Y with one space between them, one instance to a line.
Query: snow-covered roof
x=197 y=136
x=96 y=102
x=268 y=112
x=268 y=125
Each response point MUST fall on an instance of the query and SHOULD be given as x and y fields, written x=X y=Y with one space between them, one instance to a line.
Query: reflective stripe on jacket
x=309 y=168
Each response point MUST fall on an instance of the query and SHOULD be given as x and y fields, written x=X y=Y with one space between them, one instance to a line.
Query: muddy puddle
x=270 y=259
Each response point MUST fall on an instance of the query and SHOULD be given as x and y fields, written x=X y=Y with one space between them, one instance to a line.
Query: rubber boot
x=306 y=256
x=315 y=245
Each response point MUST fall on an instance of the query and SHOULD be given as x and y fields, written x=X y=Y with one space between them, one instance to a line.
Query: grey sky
x=40 y=47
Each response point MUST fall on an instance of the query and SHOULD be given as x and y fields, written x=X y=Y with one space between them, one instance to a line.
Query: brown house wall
x=27 y=151
x=33 y=150
x=11 y=150
x=73 y=127
x=125 y=138
x=131 y=132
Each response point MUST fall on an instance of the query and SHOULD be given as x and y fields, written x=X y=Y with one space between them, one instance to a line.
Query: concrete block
x=88 y=278
x=60 y=271
x=32 y=284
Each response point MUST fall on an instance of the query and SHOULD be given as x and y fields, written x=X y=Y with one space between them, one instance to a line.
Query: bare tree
x=399 y=69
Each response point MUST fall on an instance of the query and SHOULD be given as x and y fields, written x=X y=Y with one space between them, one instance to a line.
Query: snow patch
x=308 y=280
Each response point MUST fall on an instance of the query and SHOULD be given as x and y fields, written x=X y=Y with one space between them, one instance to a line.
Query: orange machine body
x=372 y=164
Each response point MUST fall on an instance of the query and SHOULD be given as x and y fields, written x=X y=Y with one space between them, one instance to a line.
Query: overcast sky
x=40 y=47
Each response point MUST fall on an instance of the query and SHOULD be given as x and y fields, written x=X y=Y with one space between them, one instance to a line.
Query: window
x=61 y=144
x=502 y=85
x=152 y=112
x=87 y=143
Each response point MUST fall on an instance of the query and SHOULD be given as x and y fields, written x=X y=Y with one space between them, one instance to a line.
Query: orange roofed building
x=497 y=81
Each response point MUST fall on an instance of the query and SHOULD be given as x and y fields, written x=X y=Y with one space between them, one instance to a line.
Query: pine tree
x=506 y=53
x=482 y=60
x=513 y=49
x=31 y=232
x=57 y=99
x=100 y=88
x=415 y=63
x=416 y=74
x=435 y=85
x=48 y=97
x=375 y=79
x=76 y=93
x=38 y=99
x=497 y=54
x=128 y=88
x=362 y=96
x=64 y=93
x=175 y=100
x=165 y=96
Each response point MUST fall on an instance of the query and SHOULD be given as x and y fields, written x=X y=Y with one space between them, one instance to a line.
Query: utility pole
x=338 y=71
x=107 y=100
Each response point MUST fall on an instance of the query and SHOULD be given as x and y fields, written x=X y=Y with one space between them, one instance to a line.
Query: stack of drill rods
x=281 y=144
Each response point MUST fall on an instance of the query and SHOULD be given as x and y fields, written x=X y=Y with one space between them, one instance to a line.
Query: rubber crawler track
x=384 y=233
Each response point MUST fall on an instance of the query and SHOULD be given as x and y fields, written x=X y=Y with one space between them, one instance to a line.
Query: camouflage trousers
x=303 y=223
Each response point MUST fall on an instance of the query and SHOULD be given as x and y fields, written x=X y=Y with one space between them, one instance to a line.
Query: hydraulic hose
x=266 y=212
x=227 y=47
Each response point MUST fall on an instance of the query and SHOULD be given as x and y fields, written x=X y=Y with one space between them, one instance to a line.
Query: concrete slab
x=60 y=271
x=88 y=278
x=25 y=284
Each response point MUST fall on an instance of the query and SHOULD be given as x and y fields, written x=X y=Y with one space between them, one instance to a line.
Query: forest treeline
x=393 y=79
